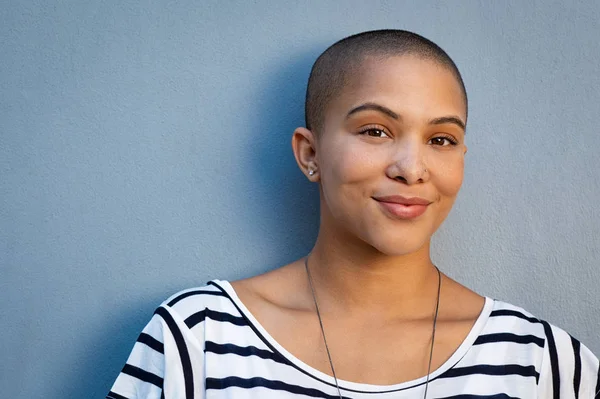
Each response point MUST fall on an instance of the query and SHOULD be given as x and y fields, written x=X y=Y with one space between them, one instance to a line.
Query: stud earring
x=311 y=172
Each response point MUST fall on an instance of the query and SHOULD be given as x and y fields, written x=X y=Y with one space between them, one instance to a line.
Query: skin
x=374 y=279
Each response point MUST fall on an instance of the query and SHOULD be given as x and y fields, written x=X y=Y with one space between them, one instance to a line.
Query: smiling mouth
x=403 y=208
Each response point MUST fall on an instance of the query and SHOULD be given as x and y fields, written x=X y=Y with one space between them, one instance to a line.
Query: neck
x=356 y=278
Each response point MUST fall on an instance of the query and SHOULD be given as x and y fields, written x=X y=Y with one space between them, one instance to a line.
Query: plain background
x=145 y=148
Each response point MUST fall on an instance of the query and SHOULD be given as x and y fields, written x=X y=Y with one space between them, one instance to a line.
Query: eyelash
x=368 y=129
x=450 y=139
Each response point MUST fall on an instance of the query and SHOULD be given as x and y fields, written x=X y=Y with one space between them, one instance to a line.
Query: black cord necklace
x=437 y=306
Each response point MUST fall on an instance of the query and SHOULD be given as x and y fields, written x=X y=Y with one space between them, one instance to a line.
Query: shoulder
x=211 y=292
x=515 y=319
x=509 y=318
x=275 y=290
x=566 y=366
x=234 y=303
x=172 y=345
x=190 y=307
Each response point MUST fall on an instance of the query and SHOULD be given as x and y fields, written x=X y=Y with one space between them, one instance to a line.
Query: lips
x=403 y=207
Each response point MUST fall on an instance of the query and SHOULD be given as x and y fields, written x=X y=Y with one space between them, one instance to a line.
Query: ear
x=303 y=145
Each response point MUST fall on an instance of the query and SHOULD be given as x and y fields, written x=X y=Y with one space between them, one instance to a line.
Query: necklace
x=437 y=306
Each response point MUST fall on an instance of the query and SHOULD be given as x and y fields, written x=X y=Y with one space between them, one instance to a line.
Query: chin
x=398 y=246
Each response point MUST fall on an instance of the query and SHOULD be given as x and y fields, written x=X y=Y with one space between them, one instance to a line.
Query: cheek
x=448 y=176
x=348 y=173
x=349 y=163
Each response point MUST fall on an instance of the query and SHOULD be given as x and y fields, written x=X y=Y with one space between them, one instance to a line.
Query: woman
x=366 y=314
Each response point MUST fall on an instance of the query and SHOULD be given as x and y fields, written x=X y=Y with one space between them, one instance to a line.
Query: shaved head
x=341 y=62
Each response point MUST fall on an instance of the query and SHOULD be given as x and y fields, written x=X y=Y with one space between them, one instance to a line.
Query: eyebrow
x=385 y=110
x=374 y=107
x=448 y=119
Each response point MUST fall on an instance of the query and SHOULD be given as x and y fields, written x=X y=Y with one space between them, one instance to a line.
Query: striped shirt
x=204 y=343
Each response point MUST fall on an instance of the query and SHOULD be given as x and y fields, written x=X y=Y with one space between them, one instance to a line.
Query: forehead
x=411 y=86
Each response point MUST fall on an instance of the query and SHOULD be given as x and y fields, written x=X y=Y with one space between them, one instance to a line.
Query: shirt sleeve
x=162 y=362
x=569 y=369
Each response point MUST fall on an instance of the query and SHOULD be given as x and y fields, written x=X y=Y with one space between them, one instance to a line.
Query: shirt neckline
x=458 y=354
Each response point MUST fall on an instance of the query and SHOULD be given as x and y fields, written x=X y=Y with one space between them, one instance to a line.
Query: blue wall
x=145 y=149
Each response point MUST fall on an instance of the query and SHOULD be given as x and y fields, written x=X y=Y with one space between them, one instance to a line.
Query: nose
x=406 y=162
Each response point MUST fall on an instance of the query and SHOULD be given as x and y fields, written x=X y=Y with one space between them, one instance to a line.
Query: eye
x=374 y=132
x=443 y=141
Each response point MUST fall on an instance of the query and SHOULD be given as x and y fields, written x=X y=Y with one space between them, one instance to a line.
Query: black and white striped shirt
x=204 y=343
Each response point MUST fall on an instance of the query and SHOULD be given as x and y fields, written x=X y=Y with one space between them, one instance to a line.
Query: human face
x=396 y=131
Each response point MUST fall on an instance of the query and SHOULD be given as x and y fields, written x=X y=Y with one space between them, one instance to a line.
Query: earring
x=311 y=172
